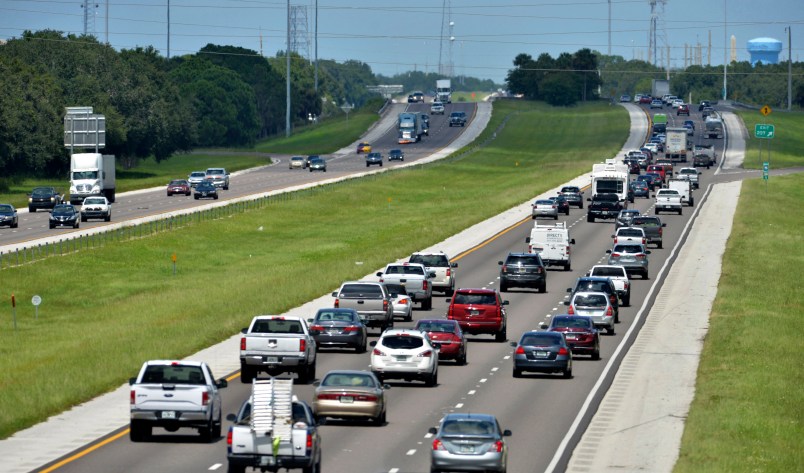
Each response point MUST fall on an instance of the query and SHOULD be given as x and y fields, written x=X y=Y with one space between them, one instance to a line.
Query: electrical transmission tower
x=656 y=32
x=90 y=10
x=299 y=33
x=445 y=67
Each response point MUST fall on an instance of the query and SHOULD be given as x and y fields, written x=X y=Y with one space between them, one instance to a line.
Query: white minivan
x=552 y=242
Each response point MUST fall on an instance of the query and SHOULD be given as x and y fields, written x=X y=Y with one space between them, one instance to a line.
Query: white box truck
x=91 y=174
x=684 y=188
x=552 y=243
x=611 y=177
x=444 y=90
x=676 y=148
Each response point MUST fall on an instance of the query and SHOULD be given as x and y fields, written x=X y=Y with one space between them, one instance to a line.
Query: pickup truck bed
x=276 y=344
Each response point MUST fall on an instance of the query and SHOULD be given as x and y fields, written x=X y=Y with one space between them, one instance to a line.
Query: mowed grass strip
x=105 y=311
x=748 y=409
x=785 y=147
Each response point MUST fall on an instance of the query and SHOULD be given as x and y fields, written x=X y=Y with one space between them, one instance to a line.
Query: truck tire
x=659 y=245
x=207 y=432
x=567 y=266
x=139 y=431
x=108 y=217
x=235 y=469
x=543 y=288
x=627 y=301
x=655 y=211
x=313 y=469
x=680 y=210
x=432 y=379
x=247 y=374
x=427 y=304
x=502 y=335
x=83 y=218
x=307 y=376
x=590 y=218
x=692 y=201
x=503 y=287
x=556 y=216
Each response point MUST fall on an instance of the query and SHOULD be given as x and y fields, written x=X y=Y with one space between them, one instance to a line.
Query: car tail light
x=437 y=445
x=377 y=352
x=351 y=328
x=242 y=343
x=425 y=354
x=385 y=305
x=613 y=298
x=229 y=438
x=639 y=256
x=133 y=396
x=520 y=350
x=366 y=398
x=540 y=270
x=449 y=272
x=661 y=231
x=320 y=328
x=609 y=312
x=644 y=241
x=627 y=285
x=568 y=249
x=424 y=285
x=328 y=397
x=204 y=398
x=498 y=446
x=505 y=268
x=616 y=255
x=530 y=248
x=302 y=344
x=571 y=310
x=337 y=303
x=563 y=351
x=404 y=301
x=382 y=279
x=309 y=441
x=615 y=240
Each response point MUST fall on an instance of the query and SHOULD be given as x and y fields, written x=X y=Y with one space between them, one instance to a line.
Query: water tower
x=764 y=50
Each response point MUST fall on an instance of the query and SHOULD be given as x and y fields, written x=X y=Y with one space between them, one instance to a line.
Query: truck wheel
x=596 y=353
x=309 y=374
x=503 y=287
x=590 y=218
x=427 y=304
x=139 y=431
x=207 y=432
x=517 y=373
x=543 y=288
x=108 y=217
x=692 y=201
x=432 y=379
x=555 y=217
x=31 y=210
x=627 y=301
x=655 y=211
x=680 y=211
x=313 y=469
x=247 y=374
x=217 y=427
x=83 y=218
x=659 y=245
x=502 y=335
x=568 y=266
x=235 y=469
x=367 y=165
x=362 y=347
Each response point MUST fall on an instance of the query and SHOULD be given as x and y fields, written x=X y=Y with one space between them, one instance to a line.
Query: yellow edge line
x=85 y=452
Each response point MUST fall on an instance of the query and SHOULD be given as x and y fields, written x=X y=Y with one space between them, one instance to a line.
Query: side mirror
x=222 y=383
x=231 y=417
x=647 y=252
x=566 y=302
x=504 y=302
x=335 y=294
x=317 y=383
x=432 y=430
x=543 y=326
x=500 y=263
x=569 y=289
x=527 y=239
x=373 y=343
x=453 y=265
x=572 y=241
x=131 y=381
x=588 y=199
x=664 y=224
x=386 y=386
x=379 y=273
x=506 y=433
x=244 y=330
x=613 y=236
x=449 y=299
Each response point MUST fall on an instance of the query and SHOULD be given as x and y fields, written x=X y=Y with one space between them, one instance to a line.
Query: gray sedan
x=633 y=257
x=339 y=327
x=542 y=352
x=544 y=208
x=469 y=442
x=318 y=164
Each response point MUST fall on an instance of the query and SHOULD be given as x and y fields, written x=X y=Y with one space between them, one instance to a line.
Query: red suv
x=683 y=110
x=479 y=311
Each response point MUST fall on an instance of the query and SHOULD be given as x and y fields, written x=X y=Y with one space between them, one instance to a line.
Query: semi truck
x=410 y=127
x=676 y=148
x=444 y=90
x=660 y=88
x=91 y=174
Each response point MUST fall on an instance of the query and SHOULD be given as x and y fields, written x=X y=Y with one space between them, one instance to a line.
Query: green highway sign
x=765 y=169
x=764 y=131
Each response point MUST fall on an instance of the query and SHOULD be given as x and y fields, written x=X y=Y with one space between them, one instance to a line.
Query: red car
x=658 y=169
x=447 y=336
x=178 y=186
x=580 y=333
x=479 y=311
x=645 y=99
x=683 y=110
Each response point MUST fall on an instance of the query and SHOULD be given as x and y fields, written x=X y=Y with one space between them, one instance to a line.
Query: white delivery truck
x=91 y=174
x=444 y=90
x=676 y=148
x=552 y=242
x=684 y=188
x=611 y=177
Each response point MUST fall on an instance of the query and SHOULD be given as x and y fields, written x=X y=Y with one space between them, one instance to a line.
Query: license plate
x=168 y=414
x=474 y=312
x=401 y=358
x=541 y=354
x=467 y=449
x=347 y=399
x=271 y=359
x=266 y=460
x=571 y=337
x=333 y=331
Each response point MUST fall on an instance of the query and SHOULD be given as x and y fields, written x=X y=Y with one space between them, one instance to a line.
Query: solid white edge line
x=551 y=467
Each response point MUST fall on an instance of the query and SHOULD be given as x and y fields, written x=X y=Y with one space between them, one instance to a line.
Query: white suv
x=439 y=263
x=405 y=354
x=437 y=108
x=627 y=235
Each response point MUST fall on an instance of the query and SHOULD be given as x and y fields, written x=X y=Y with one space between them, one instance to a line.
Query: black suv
x=523 y=270
x=573 y=195
x=457 y=119
x=44 y=198
x=598 y=284
x=396 y=155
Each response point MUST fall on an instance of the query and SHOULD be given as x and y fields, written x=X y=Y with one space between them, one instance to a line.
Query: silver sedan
x=469 y=442
x=544 y=208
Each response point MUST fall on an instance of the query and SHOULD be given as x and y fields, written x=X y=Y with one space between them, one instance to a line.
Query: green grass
x=785 y=149
x=467 y=96
x=748 y=409
x=94 y=332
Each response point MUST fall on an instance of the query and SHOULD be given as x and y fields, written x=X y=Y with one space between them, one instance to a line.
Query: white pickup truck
x=667 y=200
x=273 y=430
x=277 y=344
x=618 y=275
x=173 y=395
x=418 y=281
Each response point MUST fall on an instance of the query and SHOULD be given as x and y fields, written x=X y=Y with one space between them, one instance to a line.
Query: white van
x=552 y=242
x=684 y=187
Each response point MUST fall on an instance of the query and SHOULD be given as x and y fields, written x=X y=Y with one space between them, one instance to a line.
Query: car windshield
x=570 y=189
x=345 y=379
x=42 y=191
x=476 y=299
x=402 y=342
x=6 y=208
x=544 y=339
x=590 y=300
x=366 y=291
x=177 y=183
x=631 y=249
x=214 y=171
x=173 y=374
x=297 y=158
x=63 y=210
x=610 y=271
x=467 y=427
x=574 y=322
x=430 y=260
x=396 y=289
x=395 y=152
x=334 y=315
x=629 y=232
x=78 y=175
x=198 y=174
x=524 y=260
x=94 y=200
x=544 y=202
x=435 y=326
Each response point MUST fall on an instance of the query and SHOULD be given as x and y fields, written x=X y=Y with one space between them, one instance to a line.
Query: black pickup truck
x=457 y=119
x=603 y=206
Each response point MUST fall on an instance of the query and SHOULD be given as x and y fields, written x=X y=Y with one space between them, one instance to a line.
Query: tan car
x=350 y=394
x=297 y=162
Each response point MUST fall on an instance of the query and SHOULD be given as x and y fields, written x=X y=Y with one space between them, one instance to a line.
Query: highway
x=133 y=205
x=539 y=409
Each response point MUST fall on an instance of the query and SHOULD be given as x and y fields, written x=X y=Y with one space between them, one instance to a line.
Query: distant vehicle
x=668 y=200
x=690 y=174
x=595 y=305
x=579 y=331
x=396 y=155
x=523 y=270
x=640 y=189
x=206 y=190
x=418 y=96
x=552 y=243
x=479 y=311
x=425 y=123
x=64 y=215
x=561 y=204
x=402 y=302
x=8 y=216
x=363 y=147
x=447 y=336
x=683 y=109
x=92 y=174
x=339 y=327
x=44 y=198
x=370 y=299
x=704 y=104
x=606 y=285
x=656 y=103
x=177 y=186
x=437 y=108
x=624 y=218
x=405 y=354
x=444 y=90
x=573 y=194
x=350 y=394
x=631 y=256
x=373 y=158
x=604 y=206
x=297 y=162
x=713 y=127
x=461 y=436
x=544 y=208
x=278 y=344
x=630 y=235
x=618 y=276
x=410 y=127
x=703 y=155
x=196 y=177
x=625 y=98
x=318 y=164
x=457 y=119
x=646 y=99
x=219 y=177
x=650 y=179
x=653 y=227
x=439 y=263
x=96 y=207
x=542 y=352
x=416 y=278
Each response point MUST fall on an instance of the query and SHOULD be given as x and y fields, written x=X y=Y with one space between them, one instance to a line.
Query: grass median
x=748 y=411
x=785 y=147
x=107 y=310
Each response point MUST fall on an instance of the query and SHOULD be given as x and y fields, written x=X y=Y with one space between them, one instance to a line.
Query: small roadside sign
x=765 y=111
x=764 y=131
x=765 y=169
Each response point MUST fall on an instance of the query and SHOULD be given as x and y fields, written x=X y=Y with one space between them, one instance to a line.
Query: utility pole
x=725 y=49
x=609 y=27
x=789 y=70
x=287 y=79
x=168 y=32
x=315 y=82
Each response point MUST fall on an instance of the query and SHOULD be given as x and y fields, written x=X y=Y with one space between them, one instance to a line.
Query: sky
x=394 y=37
